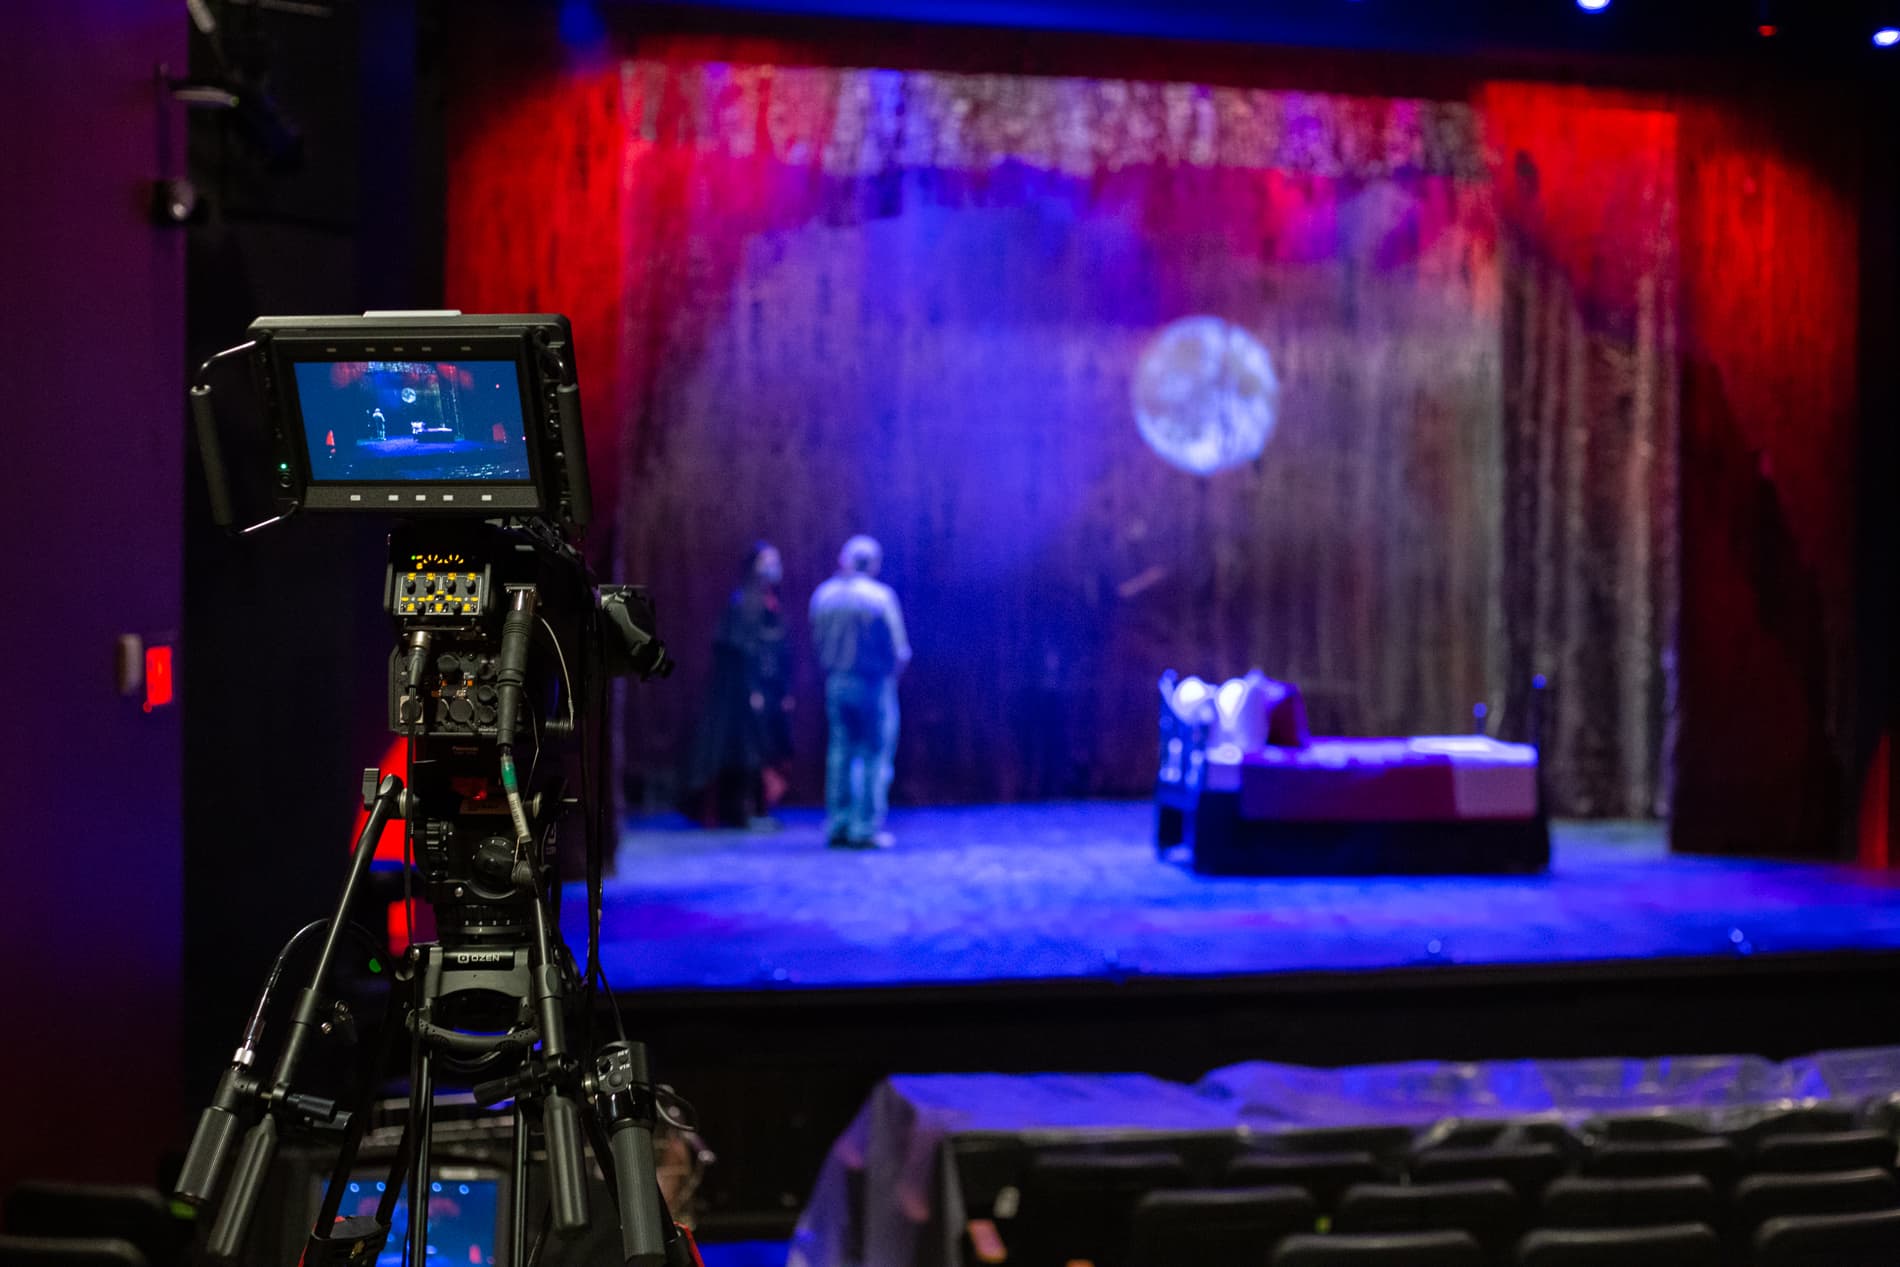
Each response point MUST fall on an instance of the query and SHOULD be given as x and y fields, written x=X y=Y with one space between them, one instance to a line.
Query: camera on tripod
x=468 y=429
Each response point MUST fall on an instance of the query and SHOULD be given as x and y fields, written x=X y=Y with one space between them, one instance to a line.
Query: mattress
x=1426 y=778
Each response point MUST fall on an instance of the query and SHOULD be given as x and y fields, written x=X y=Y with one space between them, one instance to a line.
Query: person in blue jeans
x=858 y=630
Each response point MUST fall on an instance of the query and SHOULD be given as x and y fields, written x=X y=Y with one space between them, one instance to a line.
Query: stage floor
x=1075 y=892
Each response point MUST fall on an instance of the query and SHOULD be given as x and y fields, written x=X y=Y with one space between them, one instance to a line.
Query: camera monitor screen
x=464 y=1217
x=405 y=422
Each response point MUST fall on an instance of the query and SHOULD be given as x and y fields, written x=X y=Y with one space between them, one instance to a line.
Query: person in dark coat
x=735 y=769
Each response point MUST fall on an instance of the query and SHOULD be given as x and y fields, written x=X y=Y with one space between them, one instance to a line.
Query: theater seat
x=1415 y=1249
x=1380 y=1141
x=1648 y=1128
x=1526 y=1167
x=1714 y=1158
x=1759 y=1198
x=1676 y=1245
x=1080 y=1205
x=1808 y=1119
x=1824 y=1150
x=1325 y=1175
x=59 y=1251
x=1489 y=1210
x=1325 y=1161
x=1225 y=1227
x=1869 y=1239
x=1576 y=1202
x=93 y=1211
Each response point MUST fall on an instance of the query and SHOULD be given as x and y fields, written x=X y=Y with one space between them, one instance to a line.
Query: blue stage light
x=1593 y=6
x=1887 y=36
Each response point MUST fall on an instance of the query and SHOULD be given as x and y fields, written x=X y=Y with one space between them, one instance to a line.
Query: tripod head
x=496 y=650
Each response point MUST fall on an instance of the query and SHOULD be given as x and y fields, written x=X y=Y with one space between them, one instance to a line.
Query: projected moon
x=1205 y=395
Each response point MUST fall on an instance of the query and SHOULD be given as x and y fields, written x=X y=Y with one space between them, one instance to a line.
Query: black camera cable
x=413 y=670
x=253 y=1031
x=511 y=671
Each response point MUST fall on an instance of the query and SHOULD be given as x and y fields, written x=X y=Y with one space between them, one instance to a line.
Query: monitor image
x=464 y=1216
x=405 y=422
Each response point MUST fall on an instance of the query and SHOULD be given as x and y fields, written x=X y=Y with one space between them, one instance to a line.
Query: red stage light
x=1767 y=30
x=158 y=677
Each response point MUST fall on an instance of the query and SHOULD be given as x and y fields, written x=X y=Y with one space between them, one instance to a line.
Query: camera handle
x=204 y=425
x=204 y=421
x=560 y=1113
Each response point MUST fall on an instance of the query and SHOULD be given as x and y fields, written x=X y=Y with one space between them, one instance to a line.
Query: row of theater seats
x=1802 y=1187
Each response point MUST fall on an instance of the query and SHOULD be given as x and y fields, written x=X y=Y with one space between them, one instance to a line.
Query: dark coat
x=751 y=661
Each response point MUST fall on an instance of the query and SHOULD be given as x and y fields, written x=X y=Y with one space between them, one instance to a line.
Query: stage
x=780 y=981
x=1074 y=893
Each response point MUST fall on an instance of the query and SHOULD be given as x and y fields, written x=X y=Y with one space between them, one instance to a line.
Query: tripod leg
x=377 y=1058
x=421 y=1102
x=399 y=1165
x=232 y=1226
x=560 y=1114
x=518 y=1214
x=304 y=1019
x=681 y=1249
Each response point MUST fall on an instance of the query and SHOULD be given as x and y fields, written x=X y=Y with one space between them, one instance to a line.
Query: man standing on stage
x=858 y=629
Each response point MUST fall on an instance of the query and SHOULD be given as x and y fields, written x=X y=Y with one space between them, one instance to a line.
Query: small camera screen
x=464 y=1216
x=387 y=422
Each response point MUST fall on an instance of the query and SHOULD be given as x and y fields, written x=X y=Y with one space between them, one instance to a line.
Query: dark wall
x=288 y=706
x=94 y=405
x=1694 y=27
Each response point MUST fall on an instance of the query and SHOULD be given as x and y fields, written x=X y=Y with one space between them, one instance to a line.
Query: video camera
x=468 y=430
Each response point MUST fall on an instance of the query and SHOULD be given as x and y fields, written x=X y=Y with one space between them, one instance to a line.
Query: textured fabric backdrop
x=819 y=300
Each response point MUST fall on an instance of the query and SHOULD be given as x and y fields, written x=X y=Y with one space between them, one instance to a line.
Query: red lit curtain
x=1586 y=184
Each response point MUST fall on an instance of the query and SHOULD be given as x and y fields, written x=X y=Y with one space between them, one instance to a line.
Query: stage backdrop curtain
x=911 y=303
x=1586 y=183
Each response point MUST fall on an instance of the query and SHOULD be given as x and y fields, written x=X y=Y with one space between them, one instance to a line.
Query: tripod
x=613 y=1096
x=489 y=1000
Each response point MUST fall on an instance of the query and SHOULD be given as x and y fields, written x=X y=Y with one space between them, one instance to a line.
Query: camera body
x=448 y=588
